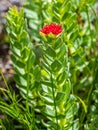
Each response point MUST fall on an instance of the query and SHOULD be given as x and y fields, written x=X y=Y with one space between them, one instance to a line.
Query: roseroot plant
x=23 y=59
x=56 y=75
x=46 y=85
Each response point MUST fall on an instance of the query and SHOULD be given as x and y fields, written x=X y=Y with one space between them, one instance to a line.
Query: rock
x=4 y=5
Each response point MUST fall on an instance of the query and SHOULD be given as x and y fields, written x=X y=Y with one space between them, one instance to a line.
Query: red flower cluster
x=52 y=28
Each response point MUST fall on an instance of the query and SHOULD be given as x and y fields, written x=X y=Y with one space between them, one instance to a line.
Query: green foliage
x=56 y=75
x=22 y=55
x=23 y=58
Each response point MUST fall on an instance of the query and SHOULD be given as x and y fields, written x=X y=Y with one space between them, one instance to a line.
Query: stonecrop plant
x=54 y=56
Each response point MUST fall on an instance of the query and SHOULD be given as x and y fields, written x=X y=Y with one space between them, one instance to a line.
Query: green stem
x=62 y=120
x=4 y=79
x=94 y=82
x=8 y=90
x=61 y=106
x=27 y=97
x=53 y=93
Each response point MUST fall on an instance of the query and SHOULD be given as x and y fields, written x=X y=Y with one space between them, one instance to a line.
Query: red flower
x=52 y=28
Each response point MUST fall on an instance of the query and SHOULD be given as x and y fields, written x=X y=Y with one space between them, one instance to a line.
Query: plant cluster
x=55 y=59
